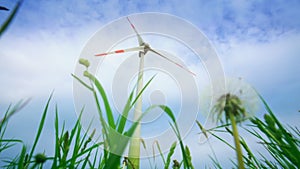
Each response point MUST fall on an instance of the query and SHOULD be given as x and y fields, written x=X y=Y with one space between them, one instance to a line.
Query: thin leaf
x=189 y=157
x=141 y=92
x=171 y=152
x=123 y=119
x=22 y=157
x=159 y=150
x=130 y=104
x=41 y=125
x=82 y=82
x=57 y=150
x=10 y=18
x=109 y=114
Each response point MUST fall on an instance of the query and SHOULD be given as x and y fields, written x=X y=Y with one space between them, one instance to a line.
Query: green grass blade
x=103 y=122
x=3 y=122
x=86 y=160
x=10 y=18
x=7 y=143
x=189 y=157
x=22 y=157
x=101 y=90
x=142 y=141
x=114 y=160
x=80 y=154
x=82 y=82
x=142 y=91
x=171 y=152
x=76 y=147
x=41 y=125
x=284 y=146
x=123 y=118
x=159 y=150
x=131 y=130
x=93 y=165
x=222 y=140
x=57 y=145
x=130 y=104
x=75 y=134
x=175 y=128
x=11 y=111
x=202 y=129
x=216 y=163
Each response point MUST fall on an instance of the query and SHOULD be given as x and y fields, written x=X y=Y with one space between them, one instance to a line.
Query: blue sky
x=256 y=40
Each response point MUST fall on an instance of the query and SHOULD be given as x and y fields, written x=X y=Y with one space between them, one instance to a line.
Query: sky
x=255 y=40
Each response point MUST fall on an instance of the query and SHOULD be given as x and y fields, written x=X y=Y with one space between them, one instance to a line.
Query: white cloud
x=38 y=62
x=267 y=63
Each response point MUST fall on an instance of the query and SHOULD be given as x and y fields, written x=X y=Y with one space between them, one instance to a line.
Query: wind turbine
x=143 y=48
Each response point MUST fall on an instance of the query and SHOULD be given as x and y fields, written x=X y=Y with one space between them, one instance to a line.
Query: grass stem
x=237 y=142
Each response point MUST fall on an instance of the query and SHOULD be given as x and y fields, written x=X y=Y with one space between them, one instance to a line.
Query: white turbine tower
x=143 y=48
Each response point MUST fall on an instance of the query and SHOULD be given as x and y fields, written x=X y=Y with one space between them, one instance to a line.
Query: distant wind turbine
x=143 y=48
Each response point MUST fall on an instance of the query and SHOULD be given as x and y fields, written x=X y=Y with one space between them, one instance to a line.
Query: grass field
x=76 y=149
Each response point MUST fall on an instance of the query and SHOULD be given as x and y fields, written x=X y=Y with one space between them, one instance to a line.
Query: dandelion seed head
x=238 y=91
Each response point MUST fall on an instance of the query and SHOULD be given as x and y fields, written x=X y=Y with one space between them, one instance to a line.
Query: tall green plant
x=115 y=136
x=233 y=111
x=235 y=104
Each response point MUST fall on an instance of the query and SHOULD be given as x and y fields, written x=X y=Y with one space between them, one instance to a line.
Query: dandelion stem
x=237 y=142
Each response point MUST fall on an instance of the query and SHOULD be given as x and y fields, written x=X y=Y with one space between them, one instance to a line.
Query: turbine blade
x=141 y=42
x=140 y=48
x=177 y=64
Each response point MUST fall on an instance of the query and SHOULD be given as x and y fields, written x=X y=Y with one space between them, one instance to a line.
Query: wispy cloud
x=49 y=37
x=42 y=62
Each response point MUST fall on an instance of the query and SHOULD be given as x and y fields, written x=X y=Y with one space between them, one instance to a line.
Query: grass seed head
x=176 y=164
x=40 y=158
x=84 y=62
x=87 y=74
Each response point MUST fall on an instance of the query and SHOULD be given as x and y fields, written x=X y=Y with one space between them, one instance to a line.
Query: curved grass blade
x=130 y=104
x=109 y=114
x=175 y=128
x=41 y=125
x=82 y=82
x=11 y=111
x=10 y=18
x=159 y=150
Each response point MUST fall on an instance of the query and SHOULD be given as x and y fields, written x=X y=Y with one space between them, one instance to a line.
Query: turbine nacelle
x=146 y=47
